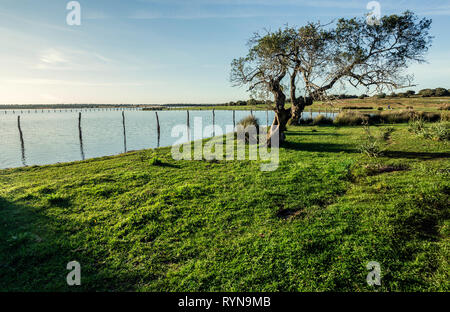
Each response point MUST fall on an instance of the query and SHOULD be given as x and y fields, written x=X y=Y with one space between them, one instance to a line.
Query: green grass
x=430 y=104
x=144 y=222
x=258 y=107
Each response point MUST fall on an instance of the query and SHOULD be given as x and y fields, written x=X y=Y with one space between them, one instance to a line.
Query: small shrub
x=350 y=119
x=249 y=121
x=445 y=116
x=387 y=133
x=417 y=125
x=429 y=116
x=439 y=131
x=380 y=108
x=322 y=120
x=243 y=128
x=370 y=145
x=396 y=116
x=155 y=161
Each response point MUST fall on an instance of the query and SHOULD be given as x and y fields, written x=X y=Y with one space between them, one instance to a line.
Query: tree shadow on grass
x=415 y=155
x=35 y=251
x=319 y=147
x=311 y=133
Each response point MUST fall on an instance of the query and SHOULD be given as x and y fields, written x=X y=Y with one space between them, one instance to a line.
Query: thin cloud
x=235 y=9
x=304 y=3
x=55 y=82
x=67 y=59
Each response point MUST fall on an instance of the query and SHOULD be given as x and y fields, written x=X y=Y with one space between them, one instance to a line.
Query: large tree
x=308 y=62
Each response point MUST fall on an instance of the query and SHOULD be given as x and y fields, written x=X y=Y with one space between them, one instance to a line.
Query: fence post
x=158 y=129
x=22 y=143
x=80 y=135
x=234 y=120
x=124 y=132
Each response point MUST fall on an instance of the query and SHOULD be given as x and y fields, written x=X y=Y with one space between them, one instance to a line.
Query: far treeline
x=438 y=92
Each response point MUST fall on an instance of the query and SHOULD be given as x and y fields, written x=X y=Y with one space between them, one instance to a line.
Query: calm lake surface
x=51 y=137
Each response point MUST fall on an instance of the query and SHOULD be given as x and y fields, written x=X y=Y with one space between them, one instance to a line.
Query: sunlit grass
x=142 y=221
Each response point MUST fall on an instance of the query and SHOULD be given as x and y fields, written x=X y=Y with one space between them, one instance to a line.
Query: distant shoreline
x=85 y=106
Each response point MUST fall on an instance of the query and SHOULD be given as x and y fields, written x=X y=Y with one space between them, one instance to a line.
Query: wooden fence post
x=158 y=129
x=124 y=132
x=22 y=143
x=234 y=119
x=80 y=135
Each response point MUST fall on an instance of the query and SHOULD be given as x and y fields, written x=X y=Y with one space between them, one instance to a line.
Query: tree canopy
x=306 y=63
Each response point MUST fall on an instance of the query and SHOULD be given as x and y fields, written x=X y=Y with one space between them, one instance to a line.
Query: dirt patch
x=379 y=169
x=289 y=213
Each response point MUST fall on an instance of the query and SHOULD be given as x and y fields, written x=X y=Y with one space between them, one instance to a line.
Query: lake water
x=52 y=136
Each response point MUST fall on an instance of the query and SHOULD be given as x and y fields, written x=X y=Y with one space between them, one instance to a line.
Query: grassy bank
x=371 y=104
x=312 y=225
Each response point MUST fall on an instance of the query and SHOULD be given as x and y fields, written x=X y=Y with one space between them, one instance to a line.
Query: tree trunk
x=282 y=115
x=298 y=106
x=290 y=116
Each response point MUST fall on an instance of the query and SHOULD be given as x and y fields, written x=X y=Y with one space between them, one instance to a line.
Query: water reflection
x=52 y=137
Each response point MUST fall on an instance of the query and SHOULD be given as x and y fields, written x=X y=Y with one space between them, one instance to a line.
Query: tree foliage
x=306 y=63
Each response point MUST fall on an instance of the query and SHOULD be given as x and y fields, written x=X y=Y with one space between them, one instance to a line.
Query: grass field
x=312 y=225
x=418 y=103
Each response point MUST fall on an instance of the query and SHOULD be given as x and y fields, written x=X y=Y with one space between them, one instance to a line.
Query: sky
x=166 y=51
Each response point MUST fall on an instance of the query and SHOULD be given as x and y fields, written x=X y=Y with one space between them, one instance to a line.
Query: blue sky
x=165 y=51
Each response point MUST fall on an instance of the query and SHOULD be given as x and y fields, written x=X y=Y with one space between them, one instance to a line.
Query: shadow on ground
x=34 y=254
x=319 y=147
x=416 y=155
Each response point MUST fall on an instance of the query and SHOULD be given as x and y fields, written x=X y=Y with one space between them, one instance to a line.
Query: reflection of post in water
x=234 y=120
x=158 y=128
x=80 y=134
x=188 y=126
x=124 y=132
x=214 y=122
x=22 y=144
